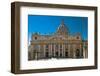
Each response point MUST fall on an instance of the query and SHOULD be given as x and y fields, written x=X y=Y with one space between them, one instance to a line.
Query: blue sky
x=49 y=24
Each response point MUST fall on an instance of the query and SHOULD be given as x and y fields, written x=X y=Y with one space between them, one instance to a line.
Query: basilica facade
x=58 y=45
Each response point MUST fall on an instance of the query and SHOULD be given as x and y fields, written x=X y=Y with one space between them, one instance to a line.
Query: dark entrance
x=66 y=54
x=56 y=54
x=77 y=53
x=47 y=54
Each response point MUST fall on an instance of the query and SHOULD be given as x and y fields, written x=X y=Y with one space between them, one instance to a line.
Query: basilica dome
x=62 y=29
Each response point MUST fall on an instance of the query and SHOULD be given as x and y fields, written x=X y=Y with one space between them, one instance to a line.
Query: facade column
x=39 y=52
x=74 y=51
x=84 y=52
x=80 y=51
x=59 y=50
x=54 y=49
x=44 y=50
x=69 y=51
x=50 y=50
x=64 y=51
x=31 y=52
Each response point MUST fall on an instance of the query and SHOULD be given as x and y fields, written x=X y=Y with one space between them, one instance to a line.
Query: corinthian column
x=80 y=50
x=54 y=50
x=74 y=51
x=44 y=50
x=64 y=50
x=51 y=50
x=69 y=51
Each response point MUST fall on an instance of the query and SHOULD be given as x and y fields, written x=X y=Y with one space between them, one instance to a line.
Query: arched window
x=77 y=37
x=47 y=46
x=35 y=38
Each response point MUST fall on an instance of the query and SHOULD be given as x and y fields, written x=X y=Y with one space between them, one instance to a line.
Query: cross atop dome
x=62 y=22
